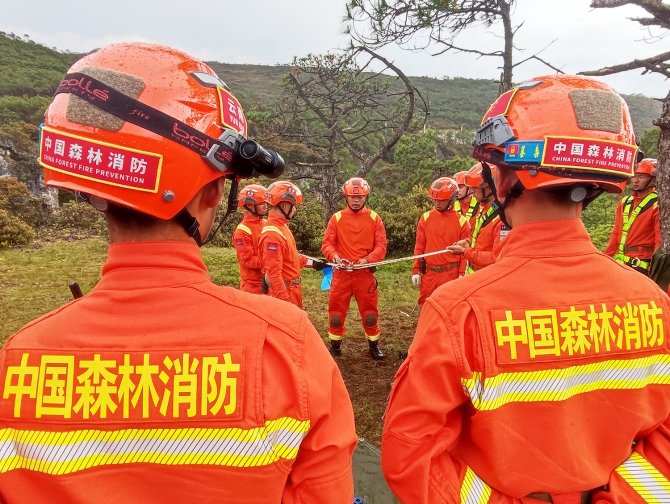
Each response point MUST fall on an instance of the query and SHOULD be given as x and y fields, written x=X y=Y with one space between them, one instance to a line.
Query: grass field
x=34 y=280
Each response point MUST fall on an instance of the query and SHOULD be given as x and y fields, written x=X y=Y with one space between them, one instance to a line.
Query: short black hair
x=127 y=217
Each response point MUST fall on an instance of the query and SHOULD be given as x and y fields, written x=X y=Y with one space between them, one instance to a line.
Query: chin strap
x=192 y=226
x=515 y=191
x=281 y=209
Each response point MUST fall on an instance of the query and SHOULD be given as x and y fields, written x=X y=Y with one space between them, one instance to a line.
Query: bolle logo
x=85 y=85
x=192 y=139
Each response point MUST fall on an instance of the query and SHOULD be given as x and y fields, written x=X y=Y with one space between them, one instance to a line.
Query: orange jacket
x=245 y=241
x=534 y=375
x=481 y=254
x=436 y=231
x=160 y=386
x=279 y=255
x=644 y=235
x=355 y=235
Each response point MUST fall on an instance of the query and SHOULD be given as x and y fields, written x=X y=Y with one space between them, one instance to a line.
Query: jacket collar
x=276 y=220
x=555 y=238
x=152 y=264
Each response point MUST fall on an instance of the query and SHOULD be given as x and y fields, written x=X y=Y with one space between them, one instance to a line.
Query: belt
x=641 y=248
x=585 y=497
x=444 y=267
x=634 y=262
x=295 y=281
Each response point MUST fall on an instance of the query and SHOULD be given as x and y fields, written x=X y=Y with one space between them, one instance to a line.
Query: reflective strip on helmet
x=244 y=228
x=273 y=228
x=473 y=489
x=562 y=384
x=373 y=215
x=72 y=451
x=645 y=479
x=426 y=215
x=338 y=216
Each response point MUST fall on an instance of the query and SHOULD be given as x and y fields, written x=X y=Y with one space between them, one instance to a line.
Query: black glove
x=319 y=265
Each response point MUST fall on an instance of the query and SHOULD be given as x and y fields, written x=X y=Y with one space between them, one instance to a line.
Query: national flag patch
x=239 y=242
x=273 y=246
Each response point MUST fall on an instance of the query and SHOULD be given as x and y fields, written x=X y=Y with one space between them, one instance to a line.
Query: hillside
x=30 y=72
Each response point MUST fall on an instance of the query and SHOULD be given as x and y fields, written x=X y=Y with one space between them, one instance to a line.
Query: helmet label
x=589 y=154
x=524 y=152
x=99 y=161
x=232 y=115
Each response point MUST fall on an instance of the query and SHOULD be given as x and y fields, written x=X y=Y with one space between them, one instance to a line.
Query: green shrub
x=16 y=200
x=400 y=215
x=308 y=227
x=79 y=216
x=13 y=231
x=599 y=219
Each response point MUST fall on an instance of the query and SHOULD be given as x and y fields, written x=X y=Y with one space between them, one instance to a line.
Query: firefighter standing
x=534 y=380
x=466 y=203
x=245 y=237
x=149 y=389
x=488 y=230
x=637 y=230
x=355 y=235
x=437 y=230
x=279 y=255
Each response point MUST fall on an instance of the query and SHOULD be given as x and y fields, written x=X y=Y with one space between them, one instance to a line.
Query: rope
x=347 y=265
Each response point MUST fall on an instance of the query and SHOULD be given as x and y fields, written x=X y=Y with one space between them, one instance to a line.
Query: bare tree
x=333 y=106
x=659 y=17
x=376 y=23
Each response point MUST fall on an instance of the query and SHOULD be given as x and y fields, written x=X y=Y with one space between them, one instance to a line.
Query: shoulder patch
x=239 y=243
x=426 y=215
x=338 y=216
x=273 y=246
x=373 y=215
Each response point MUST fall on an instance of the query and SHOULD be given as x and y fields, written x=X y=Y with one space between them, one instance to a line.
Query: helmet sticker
x=100 y=161
x=597 y=110
x=232 y=115
x=501 y=105
x=524 y=151
x=590 y=154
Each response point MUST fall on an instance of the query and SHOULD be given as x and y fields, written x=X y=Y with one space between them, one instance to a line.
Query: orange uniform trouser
x=362 y=284
x=294 y=294
x=431 y=280
x=251 y=286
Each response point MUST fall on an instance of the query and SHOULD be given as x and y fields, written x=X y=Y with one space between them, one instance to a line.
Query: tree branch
x=655 y=64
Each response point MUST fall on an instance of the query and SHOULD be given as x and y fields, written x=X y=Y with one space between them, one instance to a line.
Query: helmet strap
x=190 y=225
x=232 y=206
x=281 y=209
x=252 y=210
x=515 y=191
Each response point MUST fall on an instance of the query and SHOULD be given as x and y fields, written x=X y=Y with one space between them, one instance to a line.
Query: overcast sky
x=273 y=31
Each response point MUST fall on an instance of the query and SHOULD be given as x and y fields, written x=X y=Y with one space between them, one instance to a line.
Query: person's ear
x=212 y=192
x=505 y=179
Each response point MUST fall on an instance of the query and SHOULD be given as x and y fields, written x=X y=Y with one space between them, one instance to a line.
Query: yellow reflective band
x=273 y=228
x=462 y=220
x=562 y=384
x=373 y=337
x=68 y=452
x=473 y=489
x=244 y=228
x=426 y=215
x=338 y=216
x=628 y=218
x=335 y=337
x=373 y=215
x=645 y=479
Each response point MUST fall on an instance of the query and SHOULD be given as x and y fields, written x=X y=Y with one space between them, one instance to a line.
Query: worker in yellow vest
x=637 y=230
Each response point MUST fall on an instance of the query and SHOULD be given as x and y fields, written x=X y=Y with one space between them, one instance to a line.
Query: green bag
x=659 y=271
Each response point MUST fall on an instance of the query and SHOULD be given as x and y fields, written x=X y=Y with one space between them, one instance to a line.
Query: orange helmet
x=444 y=188
x=560 y=130
x=647 y=166
x=253 y=194
x=356 y=186
x=460 y=177
x=283 y=190
x=475 y=177
x=146 y=127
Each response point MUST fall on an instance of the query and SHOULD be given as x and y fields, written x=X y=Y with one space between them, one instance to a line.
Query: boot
x=375 y=351
x=335 y=348
x=402 y=355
